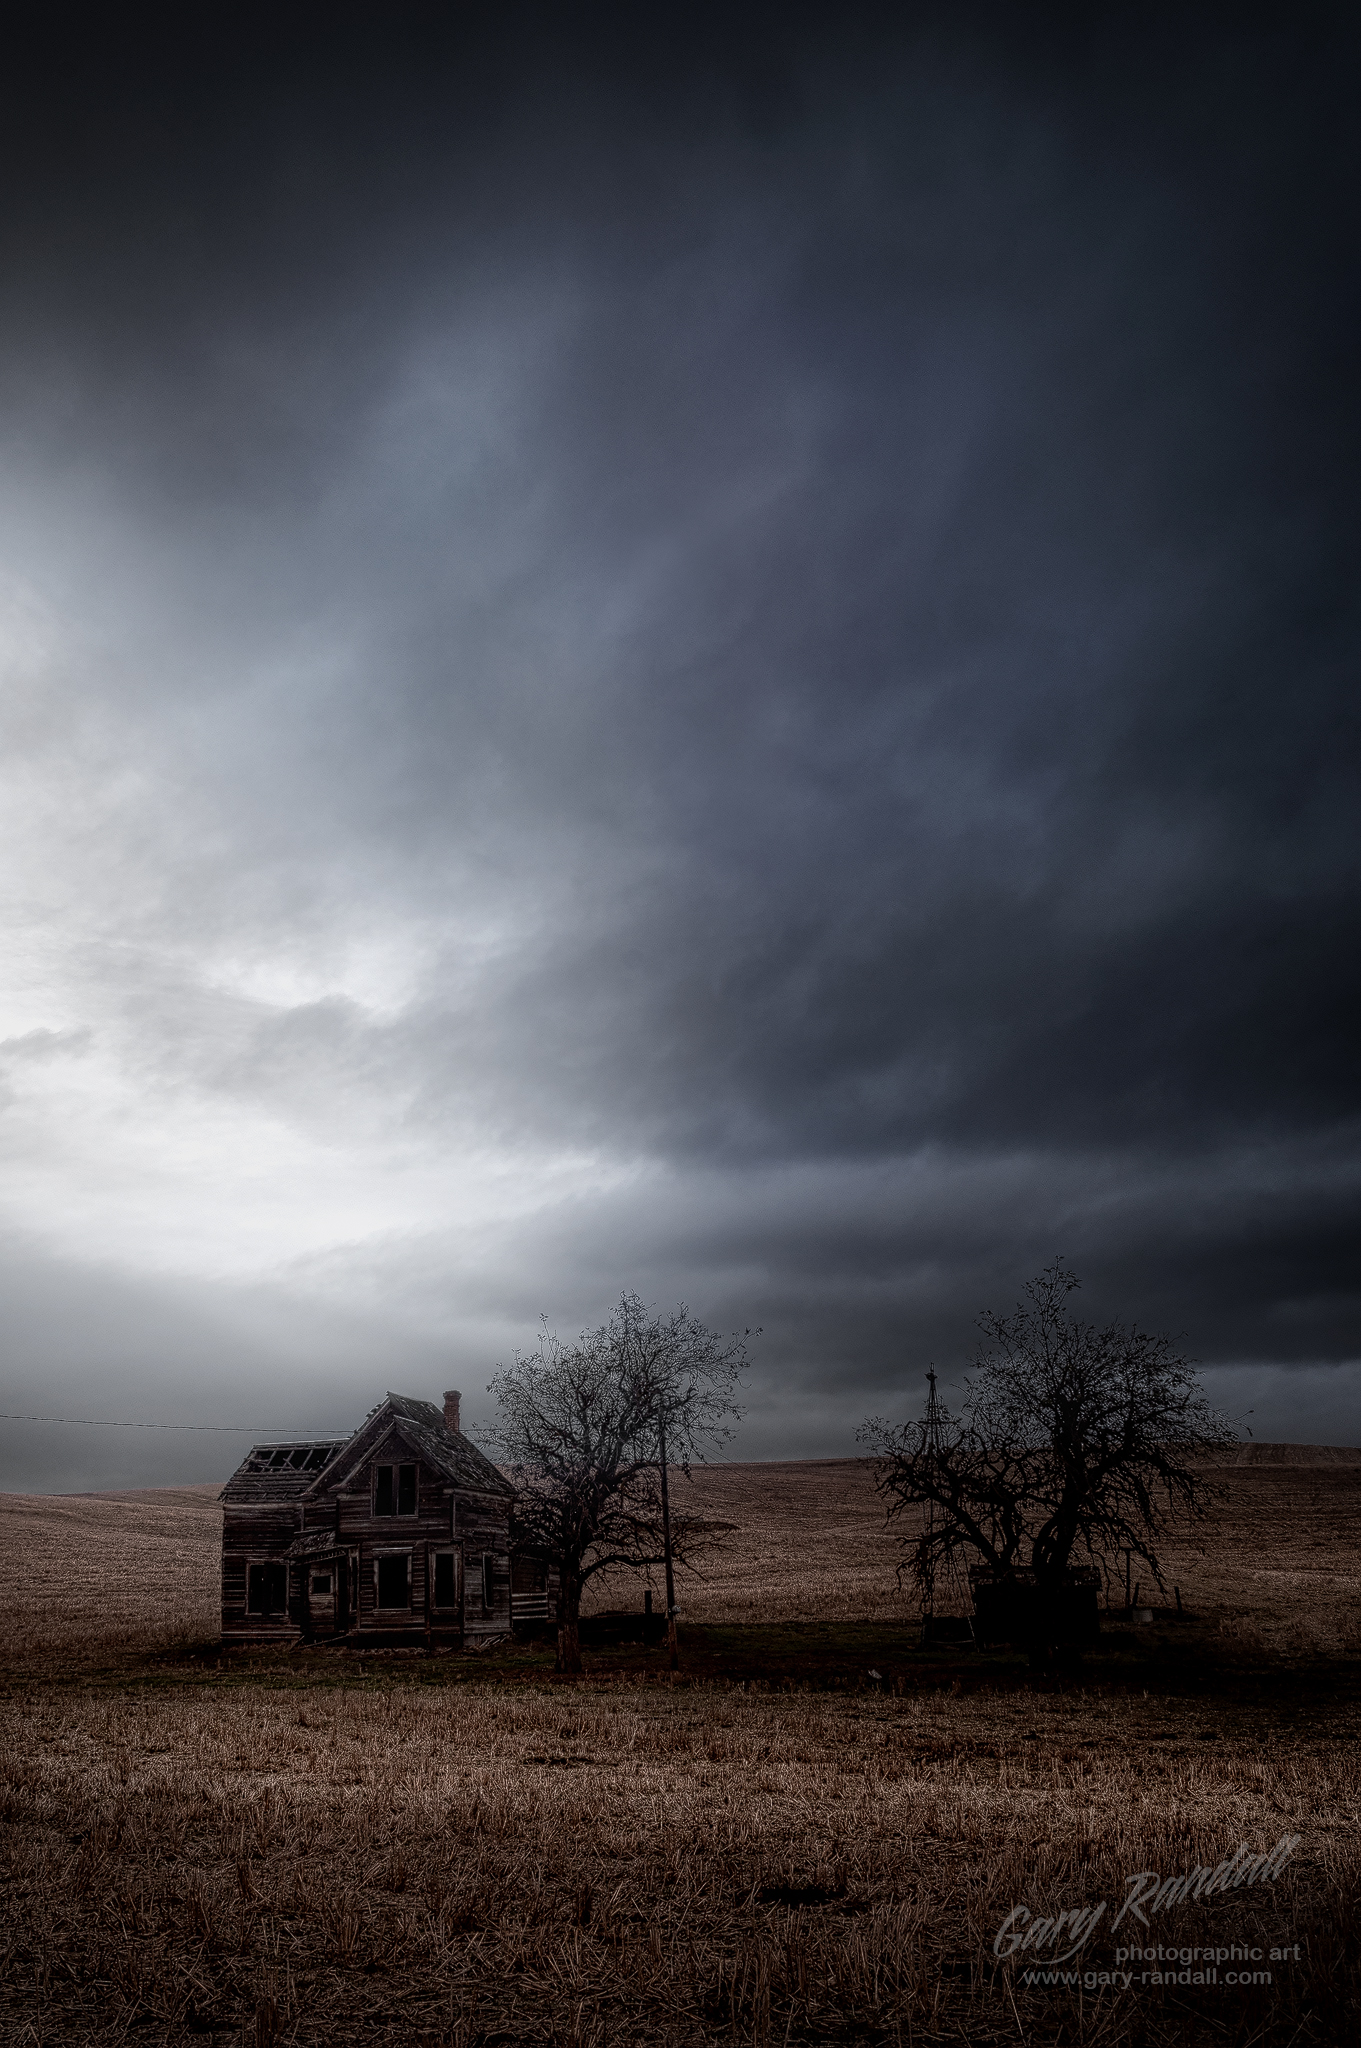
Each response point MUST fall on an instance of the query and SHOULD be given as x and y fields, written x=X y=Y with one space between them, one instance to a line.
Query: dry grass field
x=95 y=1577
x=812 y=1837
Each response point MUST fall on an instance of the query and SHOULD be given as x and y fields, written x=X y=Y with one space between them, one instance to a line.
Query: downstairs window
x=267 y=1589
x=394 y=1581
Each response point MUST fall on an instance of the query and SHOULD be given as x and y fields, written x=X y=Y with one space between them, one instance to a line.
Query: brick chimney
x=451 y=1402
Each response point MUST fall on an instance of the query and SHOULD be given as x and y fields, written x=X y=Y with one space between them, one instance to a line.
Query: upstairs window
x=394 y=1490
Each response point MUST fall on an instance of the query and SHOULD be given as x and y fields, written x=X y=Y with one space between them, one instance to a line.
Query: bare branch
x=1072 y=1439
x=579 y=1427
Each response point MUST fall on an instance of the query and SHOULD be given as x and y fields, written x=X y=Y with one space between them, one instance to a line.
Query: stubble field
x=813 y=1837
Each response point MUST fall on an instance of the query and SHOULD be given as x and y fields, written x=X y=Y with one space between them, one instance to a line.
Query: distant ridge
x=203 y=1494
x=1233 y=1454
x=1293 y=1454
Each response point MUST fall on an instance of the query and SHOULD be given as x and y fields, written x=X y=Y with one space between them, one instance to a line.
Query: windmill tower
x=954 y=1626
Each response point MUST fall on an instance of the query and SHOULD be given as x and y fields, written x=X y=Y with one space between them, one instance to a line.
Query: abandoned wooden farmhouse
x=398 y=1533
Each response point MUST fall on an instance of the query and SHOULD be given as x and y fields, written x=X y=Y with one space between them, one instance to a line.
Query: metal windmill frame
x=940 y=1628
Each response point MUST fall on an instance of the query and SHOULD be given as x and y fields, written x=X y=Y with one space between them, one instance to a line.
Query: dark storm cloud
x=815 y=564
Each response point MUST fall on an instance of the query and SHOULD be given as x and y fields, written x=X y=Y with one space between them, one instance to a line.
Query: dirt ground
x=817 y=1834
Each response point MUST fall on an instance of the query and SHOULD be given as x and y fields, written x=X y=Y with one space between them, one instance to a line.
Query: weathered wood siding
x=254 y=1535
x=266 y=1514
x=484 y=1523
x=444 y=1520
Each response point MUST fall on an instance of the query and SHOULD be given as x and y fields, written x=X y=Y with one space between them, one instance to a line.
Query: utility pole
x=671 y=1642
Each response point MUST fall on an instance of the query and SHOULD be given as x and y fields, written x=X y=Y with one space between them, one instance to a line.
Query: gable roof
x=423 y=1427
x=272 y=1472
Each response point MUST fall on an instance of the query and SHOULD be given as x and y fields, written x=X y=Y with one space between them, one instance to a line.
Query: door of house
x=322 y=1574
x=445 y=1581
x=347 y=1591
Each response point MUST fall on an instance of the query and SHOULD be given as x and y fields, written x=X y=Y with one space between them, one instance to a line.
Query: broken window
x=394 y=1581
x=394 y=1489
x=267 y=1589
x=488 y=1581
x=321 y=1582
x=446 y=1579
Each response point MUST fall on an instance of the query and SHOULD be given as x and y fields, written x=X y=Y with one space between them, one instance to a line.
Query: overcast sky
x=719 y=659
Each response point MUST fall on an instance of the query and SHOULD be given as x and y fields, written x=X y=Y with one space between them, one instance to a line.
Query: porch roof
x=316 y=1543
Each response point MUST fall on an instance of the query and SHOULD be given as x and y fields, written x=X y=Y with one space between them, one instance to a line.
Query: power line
x=217 y=1428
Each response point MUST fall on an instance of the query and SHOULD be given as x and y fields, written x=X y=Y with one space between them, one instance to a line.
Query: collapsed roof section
x=315 y=1467
x=271 y=1472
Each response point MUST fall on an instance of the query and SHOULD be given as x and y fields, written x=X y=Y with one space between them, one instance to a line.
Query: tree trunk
x=569 y=1619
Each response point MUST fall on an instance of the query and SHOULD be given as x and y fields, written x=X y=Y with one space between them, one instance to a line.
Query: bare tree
x=1073 y=1440
x=581 y=1426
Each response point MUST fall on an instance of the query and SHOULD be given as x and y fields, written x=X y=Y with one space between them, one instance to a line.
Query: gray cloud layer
x=725 y=667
